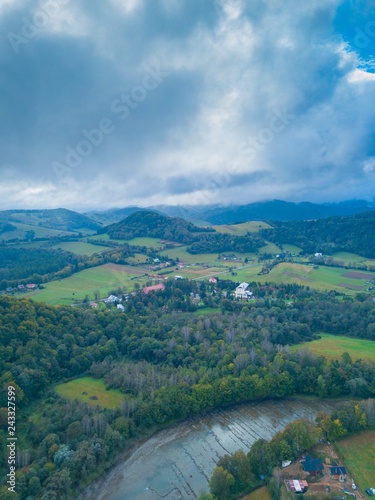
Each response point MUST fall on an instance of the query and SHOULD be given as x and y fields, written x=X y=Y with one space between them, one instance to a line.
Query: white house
x=120 y=307
x=242 y=292
x=112 y=299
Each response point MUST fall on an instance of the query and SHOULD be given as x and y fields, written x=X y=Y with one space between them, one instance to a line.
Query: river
x=176 y=463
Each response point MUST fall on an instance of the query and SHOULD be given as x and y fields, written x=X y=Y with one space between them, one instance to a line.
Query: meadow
x=85 y=388
x=358 y=454
x=259 y=494
x=80 y=247
x=101 y=278
x=353 y=259
x=323 y=278
x=333 y=346
x=243 y=228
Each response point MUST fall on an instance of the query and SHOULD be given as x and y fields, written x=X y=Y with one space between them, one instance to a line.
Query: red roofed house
x=153 y=288
x=212 y=280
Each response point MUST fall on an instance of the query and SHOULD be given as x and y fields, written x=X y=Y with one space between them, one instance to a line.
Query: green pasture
x=147 y=242
x=259 y=494
x=103 y=278
x=39 y=232
x=80 y=247
x=352 y=258
x=184 y=256
x=333 y=346
x=139 y=258
x=270 y=248
x=243 y=228
x=323 y=278
x=85 y=388
x=358 y=454
x=291 y=248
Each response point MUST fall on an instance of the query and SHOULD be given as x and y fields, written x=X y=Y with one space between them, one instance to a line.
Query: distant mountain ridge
x=275 y=210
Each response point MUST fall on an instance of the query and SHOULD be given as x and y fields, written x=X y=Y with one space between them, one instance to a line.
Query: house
x=318 y=254
x=21 y=287
x=242 y=292
x=112 y=299
x=314 y=466
x=296 y=485
x=93 y=304
x=120 y=307
x=31 y=286
x=338 y=472
x=212 y=280
x=154 y=288
x=177 y=277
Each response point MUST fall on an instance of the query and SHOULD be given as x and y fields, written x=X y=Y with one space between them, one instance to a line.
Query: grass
x=184 y=256
x=270 y=248
x=147 y=242
x=258 y=494
x=356 y=259
x=85 y=387
x=333 y=346
x=243 y=228
x=323 y=278
x=81 y=247
x=103 y=278
x=202 y=311
x=358 y=454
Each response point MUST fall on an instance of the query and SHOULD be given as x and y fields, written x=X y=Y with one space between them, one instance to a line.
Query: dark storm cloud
x=153 y=101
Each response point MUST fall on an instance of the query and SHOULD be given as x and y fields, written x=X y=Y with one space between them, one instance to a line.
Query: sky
x=111 y=103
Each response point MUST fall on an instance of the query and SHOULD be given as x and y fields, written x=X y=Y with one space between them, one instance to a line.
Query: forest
x=355 y=233
x=168 y=362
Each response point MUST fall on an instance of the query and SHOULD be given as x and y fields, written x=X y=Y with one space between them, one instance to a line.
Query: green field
x=358 y=454
x=270 y=248
x=103 y=278
x=80 y=247
x=259 y=494
x=147 y=242
x=291 y=248
x=184 y=256
x=323 y=278
x=333 y=346
x=39 y=232
x=84 y=388
x=243 y=228
x=352 y=258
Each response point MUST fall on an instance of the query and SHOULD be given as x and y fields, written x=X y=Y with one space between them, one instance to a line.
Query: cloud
x=249 y=101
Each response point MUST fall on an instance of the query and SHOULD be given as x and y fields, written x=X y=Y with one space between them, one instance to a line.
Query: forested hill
x=155 y=225
x=57 y=218
x=355 y=233
x=200 y=239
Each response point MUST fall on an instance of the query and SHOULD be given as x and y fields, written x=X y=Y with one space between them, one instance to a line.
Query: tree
x=221 y=483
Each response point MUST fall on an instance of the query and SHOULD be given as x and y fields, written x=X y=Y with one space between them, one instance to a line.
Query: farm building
x=153 y=288
x=242 y=292
x=296 y=485
x=338 y=472
x=314 y=466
